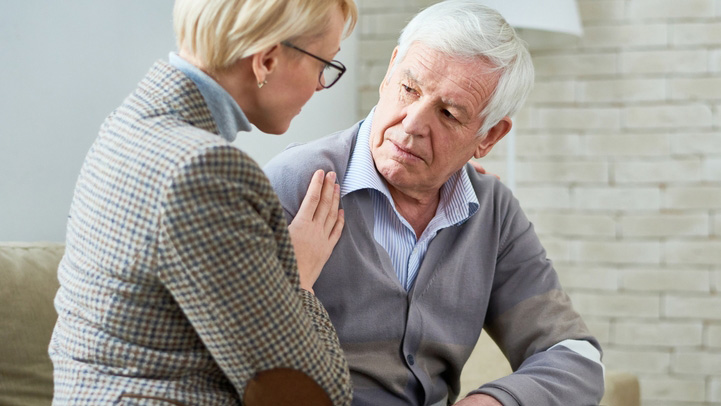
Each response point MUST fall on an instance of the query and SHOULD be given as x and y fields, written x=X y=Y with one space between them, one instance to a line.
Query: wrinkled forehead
x=420 y=59
x=445 y=54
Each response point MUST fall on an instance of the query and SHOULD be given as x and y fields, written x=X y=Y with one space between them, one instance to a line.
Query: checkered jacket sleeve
x=228 y=262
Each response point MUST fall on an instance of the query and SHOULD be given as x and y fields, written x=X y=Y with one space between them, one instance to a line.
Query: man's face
x=426 y=122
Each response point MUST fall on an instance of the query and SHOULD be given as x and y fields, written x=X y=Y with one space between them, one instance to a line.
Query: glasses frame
x=335 y=64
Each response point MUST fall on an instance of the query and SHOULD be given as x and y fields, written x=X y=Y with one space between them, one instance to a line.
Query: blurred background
x=66 y=66
x=617 y=155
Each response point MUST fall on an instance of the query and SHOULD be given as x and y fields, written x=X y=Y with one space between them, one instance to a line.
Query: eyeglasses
x=332 y=71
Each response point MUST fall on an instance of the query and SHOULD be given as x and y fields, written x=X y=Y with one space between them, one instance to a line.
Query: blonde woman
x=181 y=284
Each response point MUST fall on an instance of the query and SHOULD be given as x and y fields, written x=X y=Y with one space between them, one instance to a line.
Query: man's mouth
x=404 y=152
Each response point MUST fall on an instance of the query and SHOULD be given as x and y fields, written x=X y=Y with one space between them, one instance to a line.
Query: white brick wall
x=619 y=167
x=669 y=9
x=553 y=91
x=664 y=225
x=579 y=118
x=611 y=91
x=568 y=172
x=700 y=307
x=697 y=34
x=629 y=144
x=715 y=390
x=698 y=252
x=594 y=12
x=575 y=224
x=561 y=145
x=696 y=143
x=628 y=35
x=629 y=198
x=658 y=171
x=697 y=363
x=707 y=88
x=715 y=61
x=648 y=361
x=668 y=116
x=713 y=336
x=666 y=280
x=660 y=390
x=653 y=334
x=666 y=61
x=693 y=197
x=597 y=277
x=562 y=65
x=604 y=304
x=617 y=252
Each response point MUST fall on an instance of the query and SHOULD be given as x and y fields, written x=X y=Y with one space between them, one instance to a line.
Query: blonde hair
x=220 y=32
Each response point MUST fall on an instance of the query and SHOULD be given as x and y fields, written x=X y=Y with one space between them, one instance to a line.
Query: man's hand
x=317 y=227
x=479 y=400
x=480 y=169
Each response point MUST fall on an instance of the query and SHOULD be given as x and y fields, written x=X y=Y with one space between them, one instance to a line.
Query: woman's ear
x=265 y=62
x=494 y=135
x=388 y=71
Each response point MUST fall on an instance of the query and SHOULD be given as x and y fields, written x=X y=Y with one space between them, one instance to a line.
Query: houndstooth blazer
x=179 y=282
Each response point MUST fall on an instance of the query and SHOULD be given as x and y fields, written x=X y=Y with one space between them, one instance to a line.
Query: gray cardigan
x=408 y=348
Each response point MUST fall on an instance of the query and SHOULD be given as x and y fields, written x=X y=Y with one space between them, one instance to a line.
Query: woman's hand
x=480 y=169
x=479 y=400
x=317 y=227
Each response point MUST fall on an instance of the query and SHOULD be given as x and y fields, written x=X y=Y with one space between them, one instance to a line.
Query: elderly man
x=432 y=252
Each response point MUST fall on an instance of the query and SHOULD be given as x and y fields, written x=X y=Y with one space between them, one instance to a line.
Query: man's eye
x=448 y=114
x=408 y=89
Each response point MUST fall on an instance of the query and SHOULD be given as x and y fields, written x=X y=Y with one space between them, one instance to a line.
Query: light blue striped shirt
x=225 y=110
x=457 y=204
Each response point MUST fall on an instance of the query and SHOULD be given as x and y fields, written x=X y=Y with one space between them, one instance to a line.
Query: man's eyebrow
x=410 y=76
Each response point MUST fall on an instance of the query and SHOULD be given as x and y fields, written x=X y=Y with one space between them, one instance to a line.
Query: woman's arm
x=229 y=262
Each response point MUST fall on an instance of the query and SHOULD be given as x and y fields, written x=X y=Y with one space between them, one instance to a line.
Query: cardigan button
x=410 y=359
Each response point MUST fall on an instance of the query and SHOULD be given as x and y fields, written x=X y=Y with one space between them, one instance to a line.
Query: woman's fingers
x=312 y=196
x=337 y=228
x=332 y=216
x=326 y=198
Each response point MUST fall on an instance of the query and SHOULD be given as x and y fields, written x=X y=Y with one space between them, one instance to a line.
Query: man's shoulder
x=290 y=171
x=329 y=150
x=488 y=188
x=496 y=201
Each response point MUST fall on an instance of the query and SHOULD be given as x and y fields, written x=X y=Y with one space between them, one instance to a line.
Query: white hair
x=467 y=29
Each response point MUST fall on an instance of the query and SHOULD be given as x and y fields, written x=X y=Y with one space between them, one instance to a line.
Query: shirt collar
x=458 y=198
x=361 y=173
x=225 y=111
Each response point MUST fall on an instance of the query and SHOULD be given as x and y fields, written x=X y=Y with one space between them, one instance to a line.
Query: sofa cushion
x=28 y=282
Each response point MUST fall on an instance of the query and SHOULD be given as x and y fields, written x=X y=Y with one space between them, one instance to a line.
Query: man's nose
x=418 y=119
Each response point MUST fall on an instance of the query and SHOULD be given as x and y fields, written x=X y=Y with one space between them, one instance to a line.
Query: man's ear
x=389 y=70
x=494 y=135
x=265 y=62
